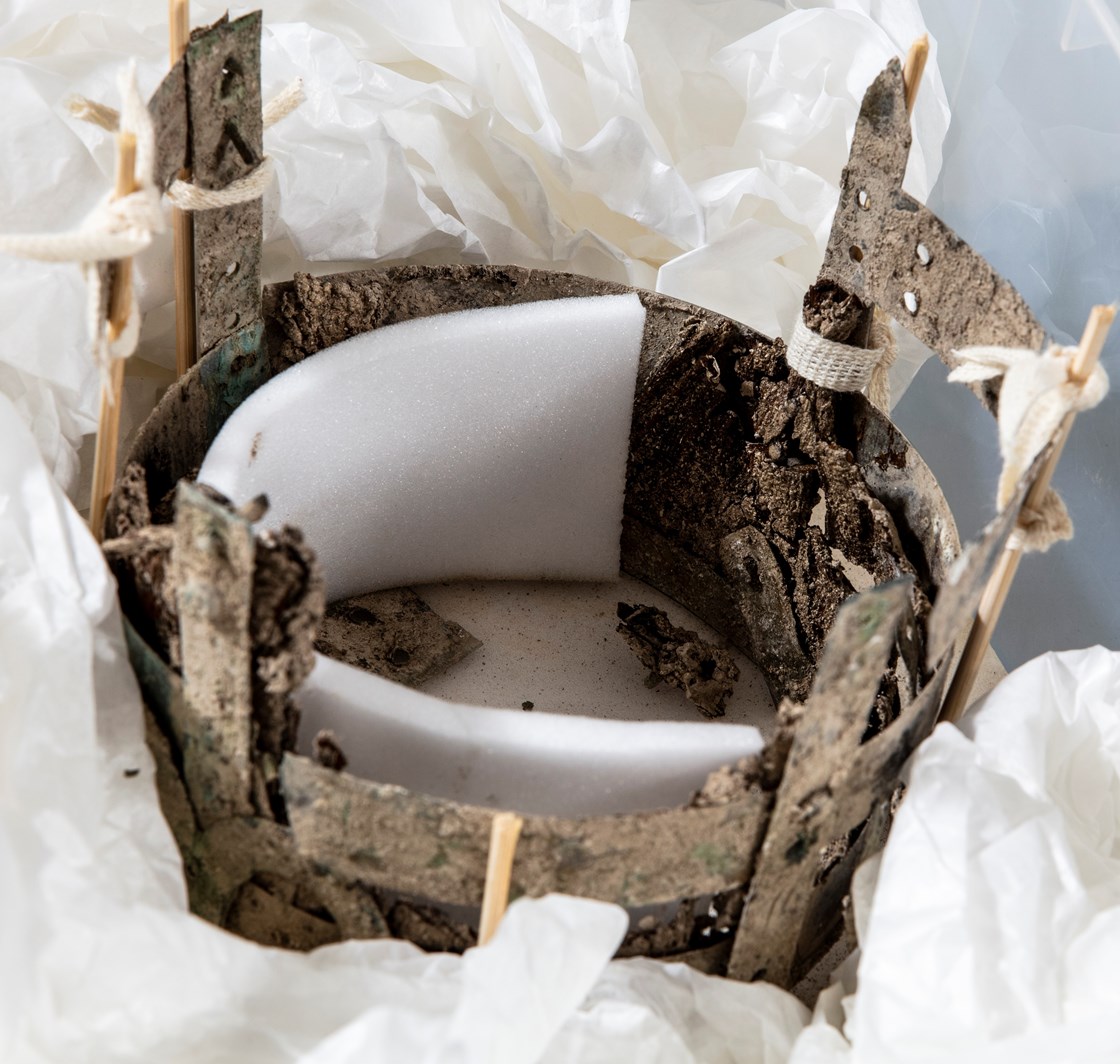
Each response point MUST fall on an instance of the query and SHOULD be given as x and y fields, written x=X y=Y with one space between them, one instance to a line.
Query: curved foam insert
x=486 y=443
x=547 y=763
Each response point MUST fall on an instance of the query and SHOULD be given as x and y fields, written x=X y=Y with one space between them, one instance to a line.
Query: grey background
x=1032 y=181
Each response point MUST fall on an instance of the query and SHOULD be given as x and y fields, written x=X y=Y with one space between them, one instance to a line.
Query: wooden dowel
x=120 y=297
x=504 y=833
x=182 y=223
x=105 y=451
x=120 y=301
x=999 y=584
x=913 y=69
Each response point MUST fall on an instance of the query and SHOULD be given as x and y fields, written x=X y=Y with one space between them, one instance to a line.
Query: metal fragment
x=413 y=844
x=394 y=634
x=212 y=565
x=226 y=143
x=818 y=800
x=909 y=262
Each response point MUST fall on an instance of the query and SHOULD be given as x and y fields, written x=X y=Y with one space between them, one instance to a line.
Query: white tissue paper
x=994 y=931
x=691 y=147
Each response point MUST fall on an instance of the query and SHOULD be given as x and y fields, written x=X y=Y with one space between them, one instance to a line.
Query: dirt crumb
x=706 y=674
x=327 y=751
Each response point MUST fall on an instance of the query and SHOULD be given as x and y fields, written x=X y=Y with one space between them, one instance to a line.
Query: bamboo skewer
x=999 y=584
x=504 y=833
x=914 y=67
x=120 y=300
x=182 y=223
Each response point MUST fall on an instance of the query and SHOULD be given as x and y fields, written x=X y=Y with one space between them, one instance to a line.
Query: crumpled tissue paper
x=695 y=148
x=100 y=960
x=994 y=931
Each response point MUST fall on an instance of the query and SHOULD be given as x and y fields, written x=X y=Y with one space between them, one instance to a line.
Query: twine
x=844 y=368
x=96 y=114
x=99 y=114
x=183 y=194
x=283 y=103
x=1036 y=396
x=119 y=228
x=114 y=229
x=188 y=197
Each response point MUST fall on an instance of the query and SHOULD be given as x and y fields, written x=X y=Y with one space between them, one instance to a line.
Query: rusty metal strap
x=888 y=249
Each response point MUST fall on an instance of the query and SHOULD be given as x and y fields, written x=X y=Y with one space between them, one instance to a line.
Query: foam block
x=489 y=443
x=537 y=762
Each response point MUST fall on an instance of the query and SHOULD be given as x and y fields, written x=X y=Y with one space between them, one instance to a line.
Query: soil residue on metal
x=394 y=634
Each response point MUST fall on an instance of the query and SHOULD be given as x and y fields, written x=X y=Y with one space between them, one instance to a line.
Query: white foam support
x=548 y=763
x=490 y=443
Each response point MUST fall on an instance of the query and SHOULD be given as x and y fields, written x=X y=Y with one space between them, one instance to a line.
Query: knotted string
x=183 y=194
x=1036 y=395
x=123 y=227
x=115 y=229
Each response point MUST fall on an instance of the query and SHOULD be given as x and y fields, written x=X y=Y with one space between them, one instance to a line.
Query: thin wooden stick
x=999 y=584
x=504 y=833
x=912 y=71
x=120 y=296
x=120 y=300
x=182 y=223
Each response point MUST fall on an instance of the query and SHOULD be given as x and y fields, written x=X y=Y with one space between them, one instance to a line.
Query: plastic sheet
x=691 y=147
x=995 y=923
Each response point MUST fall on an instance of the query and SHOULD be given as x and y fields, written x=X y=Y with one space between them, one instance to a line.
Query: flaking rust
x=755 y=498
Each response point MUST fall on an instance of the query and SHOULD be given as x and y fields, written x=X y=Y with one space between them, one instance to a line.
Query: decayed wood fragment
x=288 y=603
x=226 y=143
x=212 y=566
x=328 y=752
x=394 y=634
x=133 y=512
x=141 y=563
x=705 y=673
x=815 y=802
x=761 y=591
x=899 y=479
